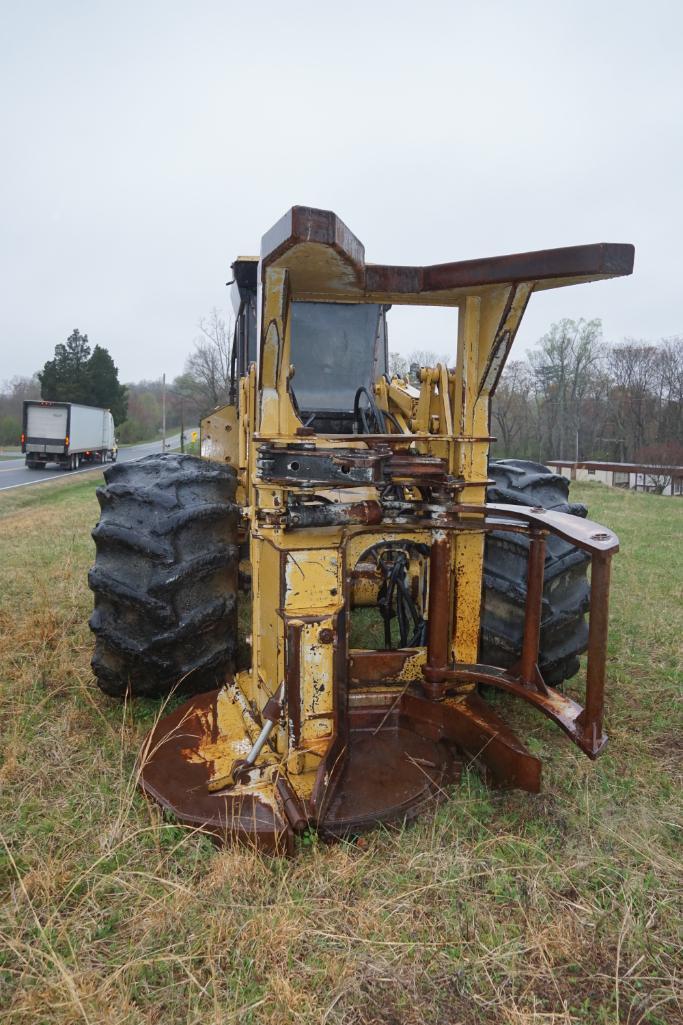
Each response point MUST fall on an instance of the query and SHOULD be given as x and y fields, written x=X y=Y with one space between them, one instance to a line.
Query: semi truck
x=66 y=433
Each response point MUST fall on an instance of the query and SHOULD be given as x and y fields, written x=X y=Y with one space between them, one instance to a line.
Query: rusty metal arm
x=307 y=227
x=588 y=535
x=582 y=724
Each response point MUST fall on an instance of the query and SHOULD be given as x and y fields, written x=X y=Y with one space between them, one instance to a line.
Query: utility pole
x=163 y=412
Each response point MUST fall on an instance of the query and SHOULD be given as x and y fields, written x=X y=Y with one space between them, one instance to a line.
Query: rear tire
x=566 y=591
x=165 y=576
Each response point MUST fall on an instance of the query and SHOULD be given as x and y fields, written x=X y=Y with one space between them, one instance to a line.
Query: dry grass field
x=499 y=908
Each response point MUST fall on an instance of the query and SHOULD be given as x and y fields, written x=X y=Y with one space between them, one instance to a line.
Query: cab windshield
x=336 y=349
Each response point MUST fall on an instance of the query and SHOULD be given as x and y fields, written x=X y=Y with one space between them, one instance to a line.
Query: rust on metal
x=300 y=515
x=563 y=710
x=174 y=771
x=305 y=225
x=341 y=520
x=370 y=667
x=412 y=467
x=528 y=665
x=293 y=677
x=585 y=534
x=591 y=718
x=438 y=623
x=478 y=731
x=390 y=775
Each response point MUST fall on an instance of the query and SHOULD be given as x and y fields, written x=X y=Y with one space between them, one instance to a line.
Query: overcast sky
x=146 y=144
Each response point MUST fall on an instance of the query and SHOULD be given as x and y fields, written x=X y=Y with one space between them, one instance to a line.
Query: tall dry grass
x=499 y=907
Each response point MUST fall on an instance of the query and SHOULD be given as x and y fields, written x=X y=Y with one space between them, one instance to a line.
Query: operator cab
x=337 y=349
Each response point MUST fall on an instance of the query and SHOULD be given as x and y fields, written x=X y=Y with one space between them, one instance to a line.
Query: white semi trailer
x=67 y=434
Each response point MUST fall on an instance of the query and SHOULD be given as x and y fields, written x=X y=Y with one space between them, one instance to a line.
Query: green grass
x=501 y=907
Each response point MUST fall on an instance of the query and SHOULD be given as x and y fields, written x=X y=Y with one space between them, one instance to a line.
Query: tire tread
x=566 y=591
x=165 y=576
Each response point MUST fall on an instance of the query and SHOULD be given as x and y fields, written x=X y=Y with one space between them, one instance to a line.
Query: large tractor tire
x=165 y=576
x=566 y=592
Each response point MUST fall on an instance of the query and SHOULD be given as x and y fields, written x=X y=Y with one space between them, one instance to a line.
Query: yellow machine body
x=316 y=514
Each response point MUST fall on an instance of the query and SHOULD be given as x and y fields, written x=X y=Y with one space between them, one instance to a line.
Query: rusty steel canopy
x=324 y=258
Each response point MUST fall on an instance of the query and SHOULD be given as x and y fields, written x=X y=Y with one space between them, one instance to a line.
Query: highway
x=15 y=474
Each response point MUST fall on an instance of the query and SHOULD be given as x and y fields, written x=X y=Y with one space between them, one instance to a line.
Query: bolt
x=326 y=636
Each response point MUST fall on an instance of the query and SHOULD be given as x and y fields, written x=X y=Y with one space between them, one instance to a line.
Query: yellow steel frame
x=301 y=580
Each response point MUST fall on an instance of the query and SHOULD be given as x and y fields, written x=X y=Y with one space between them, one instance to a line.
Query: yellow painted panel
x=317 y=679
x=469 y=557
x=312 y=581
x=268 y=634
x=220 y=436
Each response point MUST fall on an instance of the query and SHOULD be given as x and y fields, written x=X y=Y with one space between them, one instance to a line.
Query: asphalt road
x=15 y=474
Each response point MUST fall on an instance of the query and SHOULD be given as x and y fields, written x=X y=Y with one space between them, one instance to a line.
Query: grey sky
x=146 y=144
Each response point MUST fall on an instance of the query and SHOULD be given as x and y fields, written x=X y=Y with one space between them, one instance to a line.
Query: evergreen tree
x=78 y=375
x=105 y=389
x=65 y=378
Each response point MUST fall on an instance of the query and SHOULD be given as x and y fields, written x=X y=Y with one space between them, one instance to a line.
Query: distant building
x=663 y=480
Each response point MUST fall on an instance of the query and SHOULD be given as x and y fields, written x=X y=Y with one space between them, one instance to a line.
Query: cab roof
x=325 y=260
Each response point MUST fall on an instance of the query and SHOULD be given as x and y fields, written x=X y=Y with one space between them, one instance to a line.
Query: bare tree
x=207 y=369
x=409 y=366
x=564 y=365
x=12 y=395
x=426 y=358
x=573 y=397
x=511 y=411
x=576 y=397
x=670 y=374
x=633 y=372
x=398 y=365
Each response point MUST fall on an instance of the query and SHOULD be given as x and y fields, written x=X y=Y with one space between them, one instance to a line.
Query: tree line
x=88 y=375
x=573 y=396
x=576 y=397
x=203 y=385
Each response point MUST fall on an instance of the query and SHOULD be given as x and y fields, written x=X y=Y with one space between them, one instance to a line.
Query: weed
x=500 y=907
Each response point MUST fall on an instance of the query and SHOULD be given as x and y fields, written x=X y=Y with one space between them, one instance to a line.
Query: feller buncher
x=361 y=500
